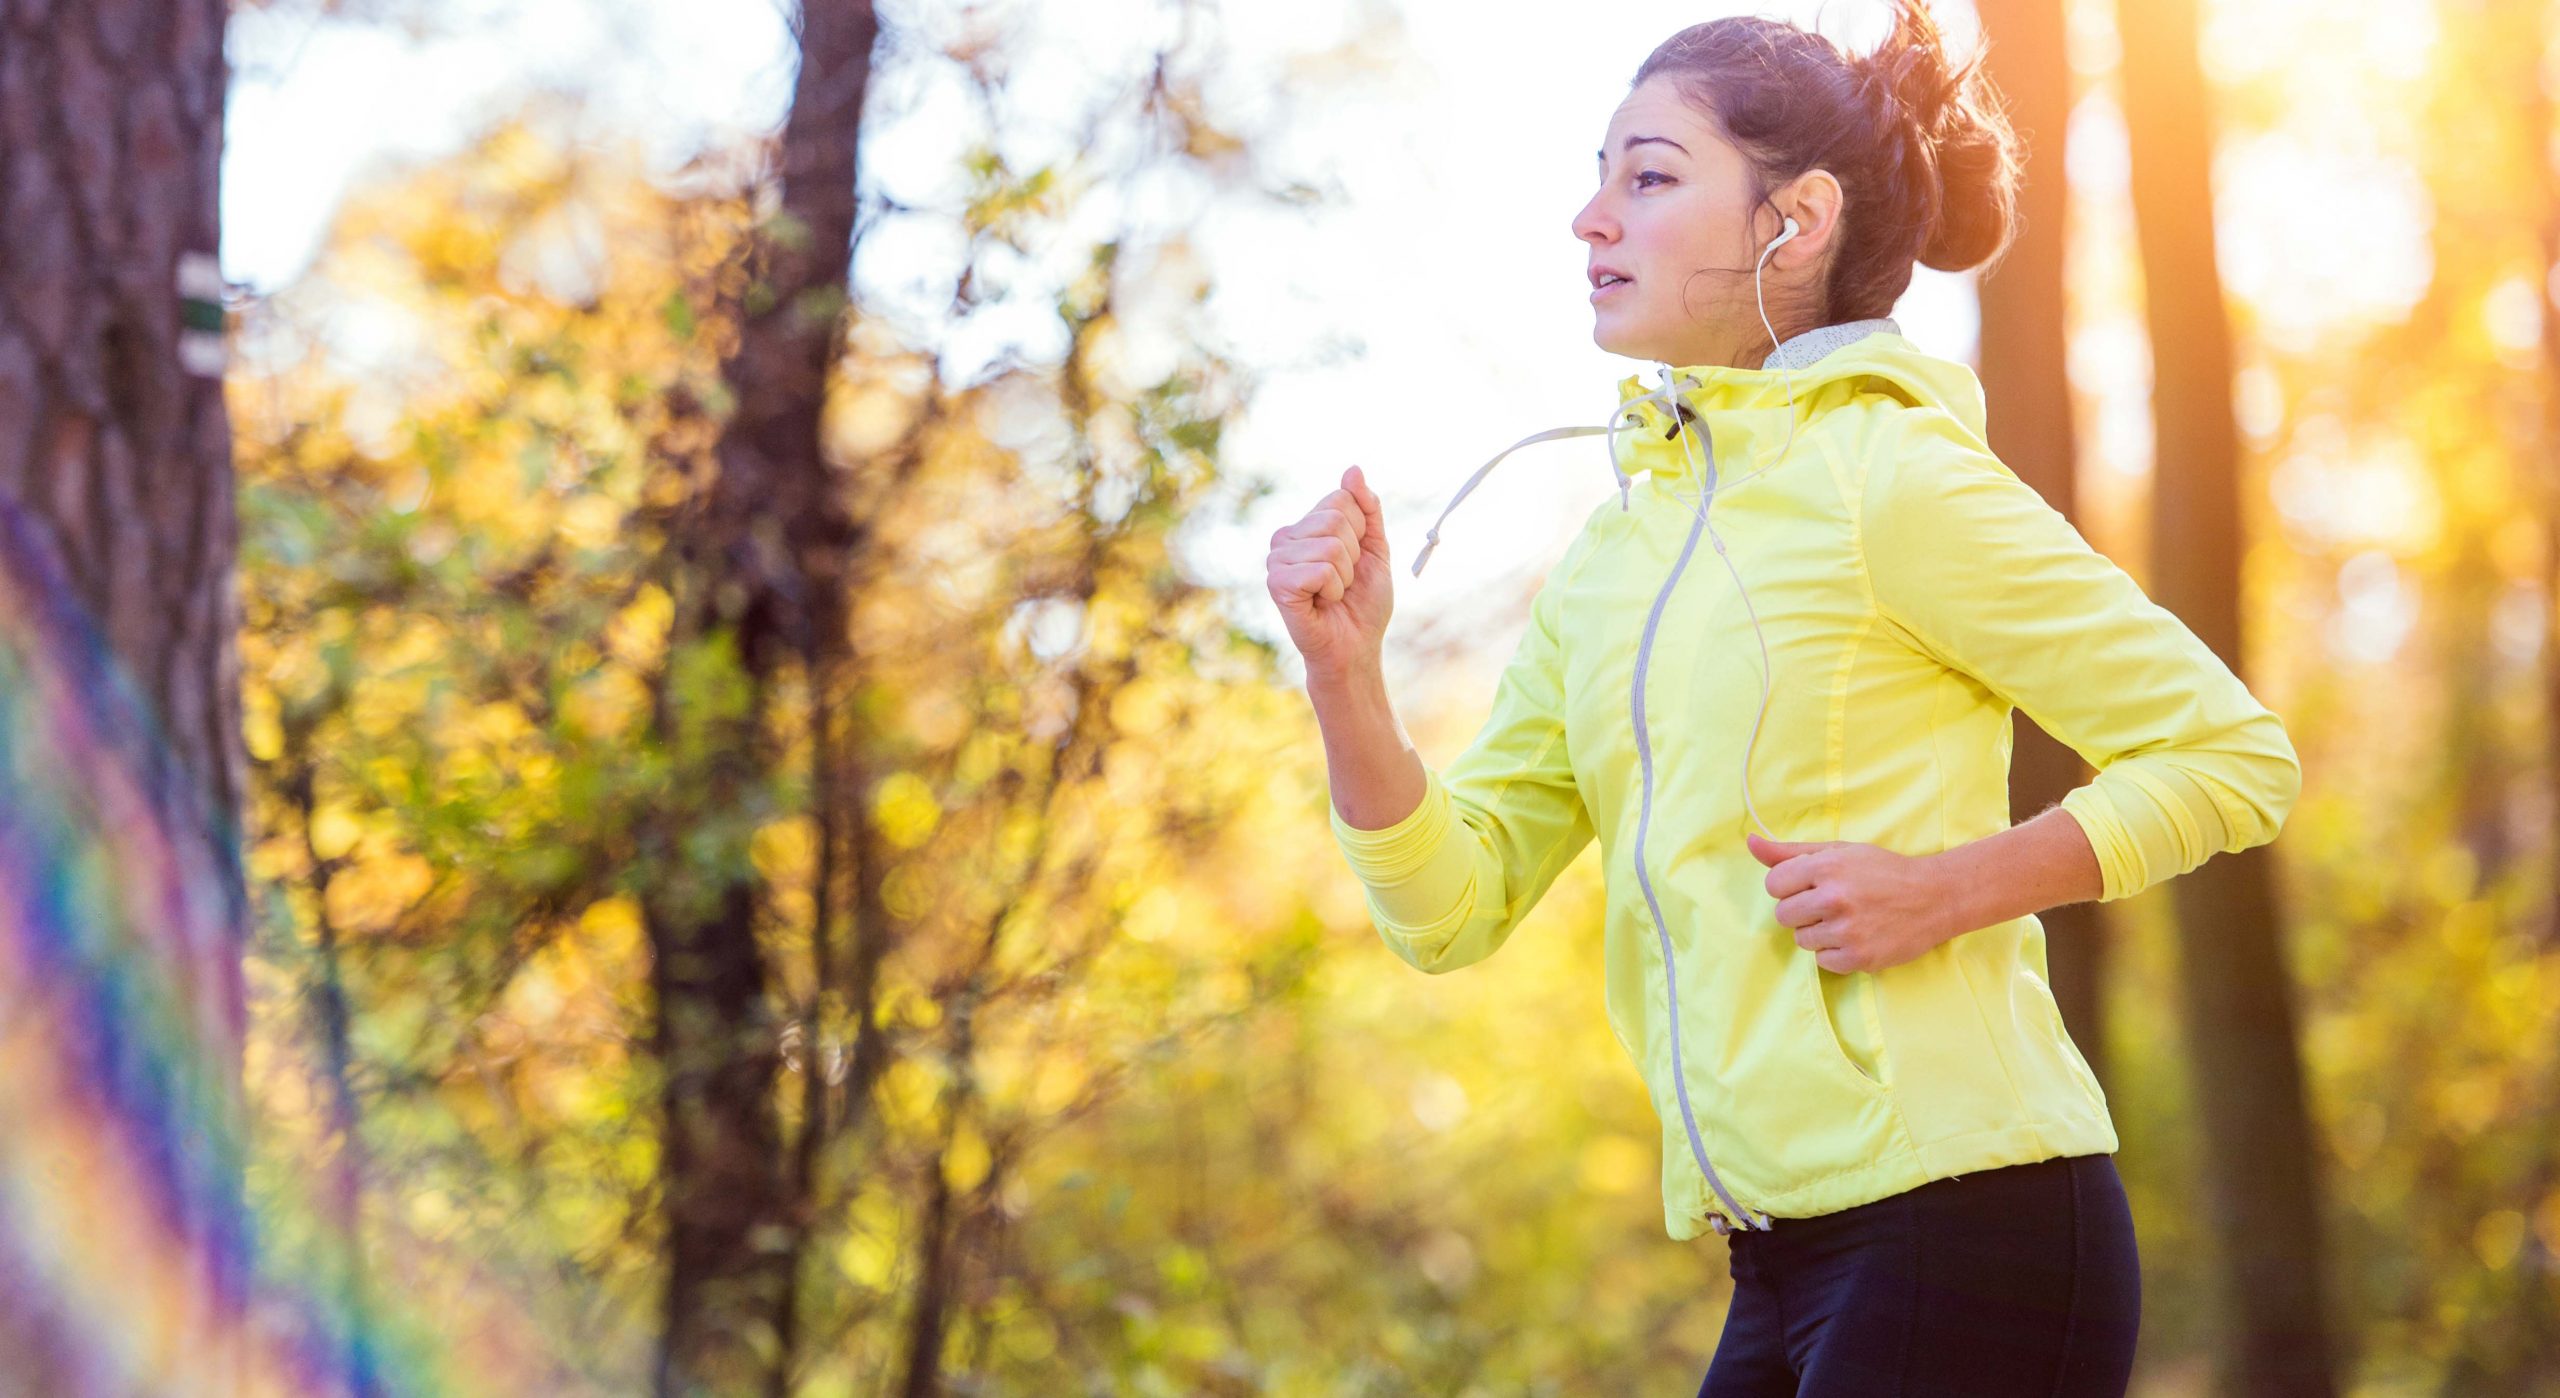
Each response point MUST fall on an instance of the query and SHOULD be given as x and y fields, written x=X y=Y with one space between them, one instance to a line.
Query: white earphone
x=1707 y=497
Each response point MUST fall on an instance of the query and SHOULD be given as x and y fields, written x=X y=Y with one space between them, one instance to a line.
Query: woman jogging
x=1792 y=744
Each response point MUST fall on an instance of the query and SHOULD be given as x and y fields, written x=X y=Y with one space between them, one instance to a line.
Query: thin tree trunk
x=2263 y=1195
x=809 y=1148
x=346 y=1117
x=937 y=1253
x=113 y=434
x=2476 y=753
x=2025 y=376
x=770 y=538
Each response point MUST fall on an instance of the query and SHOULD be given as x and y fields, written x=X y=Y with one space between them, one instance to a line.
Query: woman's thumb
x=1357 y=483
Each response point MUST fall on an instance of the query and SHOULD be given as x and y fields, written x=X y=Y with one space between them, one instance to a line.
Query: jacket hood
x=1820 y=368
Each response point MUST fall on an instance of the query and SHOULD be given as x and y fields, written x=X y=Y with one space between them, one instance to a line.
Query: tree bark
x=114 y=441
x=2026 y=378
x=764 y=556
x=2263 y=1192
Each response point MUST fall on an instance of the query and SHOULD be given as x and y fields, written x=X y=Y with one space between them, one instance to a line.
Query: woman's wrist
x=2038 y=864
x=1375 y=775
x=1367 y=666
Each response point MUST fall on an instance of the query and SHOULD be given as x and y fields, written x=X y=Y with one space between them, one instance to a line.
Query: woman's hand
x=1856 y=907
x=1328 y=573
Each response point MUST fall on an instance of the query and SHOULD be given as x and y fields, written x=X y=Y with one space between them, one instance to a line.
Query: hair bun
x=1948 y=120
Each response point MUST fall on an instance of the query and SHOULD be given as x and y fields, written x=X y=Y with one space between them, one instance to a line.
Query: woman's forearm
x=1376 y=775
x=2024 y=869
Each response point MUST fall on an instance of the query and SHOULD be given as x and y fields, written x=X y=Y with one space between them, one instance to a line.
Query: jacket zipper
x=1644 y=823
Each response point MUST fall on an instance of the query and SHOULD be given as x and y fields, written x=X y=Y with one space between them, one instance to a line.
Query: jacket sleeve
x=1977 y=570
x=1446 y=885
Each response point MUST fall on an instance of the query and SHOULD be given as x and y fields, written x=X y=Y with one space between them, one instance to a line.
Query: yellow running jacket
x=1909 y=590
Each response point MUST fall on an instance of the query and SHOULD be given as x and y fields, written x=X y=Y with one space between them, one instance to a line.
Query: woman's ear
x=1813 y=200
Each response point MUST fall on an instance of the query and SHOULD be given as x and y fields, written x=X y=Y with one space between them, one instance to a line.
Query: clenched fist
x=1328 y=572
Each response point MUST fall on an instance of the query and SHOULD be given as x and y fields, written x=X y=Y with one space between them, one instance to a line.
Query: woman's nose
x=1593 y=224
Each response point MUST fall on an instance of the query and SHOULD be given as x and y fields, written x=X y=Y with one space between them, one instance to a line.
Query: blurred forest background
x=767 y=865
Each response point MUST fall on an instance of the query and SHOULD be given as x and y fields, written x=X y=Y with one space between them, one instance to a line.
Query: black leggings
x=2021 y=1281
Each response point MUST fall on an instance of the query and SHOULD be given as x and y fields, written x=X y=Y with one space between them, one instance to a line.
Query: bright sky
x=1434 y=315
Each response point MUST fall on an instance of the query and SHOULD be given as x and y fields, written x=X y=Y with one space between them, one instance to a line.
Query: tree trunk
x=2536 y=1269
x=2026 y=379
x=938 y=1260
x=110 y=146
x=115 y=444
x=2537 y=107
x=2264 y=1199
x=765 y=558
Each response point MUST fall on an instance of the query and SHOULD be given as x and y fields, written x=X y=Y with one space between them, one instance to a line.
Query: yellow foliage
x=935 y=717
x=382 y=706
x=1141 y=707
x=1056 y=1082
x=431 y=1212
x=1113 y=619
x=907 y=889
x=613 y=925
x=261 y=728
x=1153 y=914
x=335 y=829
x=785 y=851
x=1224 y=990
x=871 y=418
x=638 y=633
x=2468 y=1102
x=982 y=758
x=500 y=723
x=2497 y=1237
x=966 y=1161
x=370 y=894
x=868 y=1259
x=908 y=1090
x=606 y=702
x=906 y=810
x=590 y=522
x=2546 y=1222
x=2358 y=1134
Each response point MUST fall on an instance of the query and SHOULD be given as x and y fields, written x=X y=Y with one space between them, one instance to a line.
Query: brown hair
x=1927 y=163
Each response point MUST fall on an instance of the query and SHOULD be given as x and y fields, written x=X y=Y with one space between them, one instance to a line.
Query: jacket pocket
x=1831 y=999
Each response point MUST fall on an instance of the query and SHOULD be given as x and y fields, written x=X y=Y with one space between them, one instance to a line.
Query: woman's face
x=1674 y=204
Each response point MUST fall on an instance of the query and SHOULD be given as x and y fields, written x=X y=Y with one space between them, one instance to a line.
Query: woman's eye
x=1651 y=175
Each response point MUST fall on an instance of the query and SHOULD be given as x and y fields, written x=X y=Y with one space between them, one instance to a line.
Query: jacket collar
x=1742 y=398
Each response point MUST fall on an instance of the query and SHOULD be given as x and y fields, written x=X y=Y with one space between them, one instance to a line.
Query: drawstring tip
x=1425 y=556
x=1752 y=1218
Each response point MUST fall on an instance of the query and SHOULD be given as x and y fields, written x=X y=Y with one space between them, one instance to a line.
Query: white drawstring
x=1431 y=539
x=1668 y=400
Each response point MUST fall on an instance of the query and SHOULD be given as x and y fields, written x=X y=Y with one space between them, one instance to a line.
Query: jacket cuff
x=2119 y=864
x=1420 y=872
x=2147 y=825
x=1391 y=853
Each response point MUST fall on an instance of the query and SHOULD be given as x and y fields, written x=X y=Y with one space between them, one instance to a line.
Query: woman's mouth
x=1607 y=288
